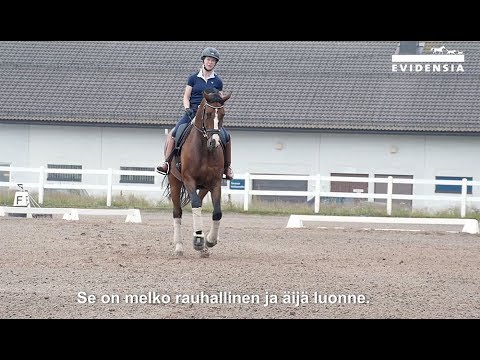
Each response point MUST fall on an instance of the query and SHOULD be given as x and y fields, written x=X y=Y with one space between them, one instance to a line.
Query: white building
x=304 y=108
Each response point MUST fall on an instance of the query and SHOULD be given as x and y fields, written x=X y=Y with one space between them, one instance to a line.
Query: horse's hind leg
x=175 y=189
x=212 y=236
x=177 y=222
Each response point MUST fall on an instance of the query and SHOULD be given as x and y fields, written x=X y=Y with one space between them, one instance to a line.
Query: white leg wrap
x=176 y=230
x=197 y=219
x=213 y=234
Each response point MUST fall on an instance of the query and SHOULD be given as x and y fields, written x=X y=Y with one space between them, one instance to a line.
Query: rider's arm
x=186 y=96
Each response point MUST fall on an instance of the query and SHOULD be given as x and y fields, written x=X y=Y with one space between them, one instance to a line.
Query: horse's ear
x=209 y=91
x=225 y=95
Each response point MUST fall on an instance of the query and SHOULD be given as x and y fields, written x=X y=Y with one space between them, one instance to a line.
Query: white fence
x=315 y=183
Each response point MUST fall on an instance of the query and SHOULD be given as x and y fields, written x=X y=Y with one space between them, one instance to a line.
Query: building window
x=401 y=189
x=4 y=175
x=64 y=176
x=452 y=189
x=137 y=179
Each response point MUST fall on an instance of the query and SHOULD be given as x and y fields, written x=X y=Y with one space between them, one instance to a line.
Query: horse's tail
x=166 y=185
x=184 y=196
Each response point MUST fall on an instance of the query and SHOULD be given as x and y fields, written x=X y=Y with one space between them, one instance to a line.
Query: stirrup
x=226 y=171
x=160 y=171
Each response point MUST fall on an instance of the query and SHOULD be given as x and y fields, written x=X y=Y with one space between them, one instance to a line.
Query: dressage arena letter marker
x=22 y=198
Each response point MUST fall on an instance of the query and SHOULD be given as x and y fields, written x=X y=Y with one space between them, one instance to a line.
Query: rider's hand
x=190 y=113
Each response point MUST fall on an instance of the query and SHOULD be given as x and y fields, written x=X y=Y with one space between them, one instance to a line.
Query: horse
x=438 y=50
x=196 y=169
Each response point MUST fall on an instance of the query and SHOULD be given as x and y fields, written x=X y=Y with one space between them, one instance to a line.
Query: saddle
x=180 y=137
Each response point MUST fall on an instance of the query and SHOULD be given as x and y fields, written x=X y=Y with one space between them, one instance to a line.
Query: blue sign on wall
x=237 y=184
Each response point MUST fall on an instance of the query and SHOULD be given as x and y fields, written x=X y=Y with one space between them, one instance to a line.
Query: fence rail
x=316 y=182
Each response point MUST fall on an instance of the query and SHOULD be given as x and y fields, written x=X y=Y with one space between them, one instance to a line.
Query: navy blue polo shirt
x=198 y=84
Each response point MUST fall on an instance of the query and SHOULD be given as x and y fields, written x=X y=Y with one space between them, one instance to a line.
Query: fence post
x=317 y=193
x=463 y=207
x=109 y=186
x=389 y=195
x=371 y=188
x=246 y=194
x=41 y=184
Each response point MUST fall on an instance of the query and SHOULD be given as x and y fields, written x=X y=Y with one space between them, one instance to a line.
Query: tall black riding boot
x=228 y=161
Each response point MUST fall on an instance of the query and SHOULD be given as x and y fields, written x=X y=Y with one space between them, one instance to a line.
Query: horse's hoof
x=198 y=242
x=178 y=250
x=211 y=244
x=204 y=253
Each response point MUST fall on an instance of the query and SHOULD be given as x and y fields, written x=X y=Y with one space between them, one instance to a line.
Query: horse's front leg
x=212 y=236
x=196 y=201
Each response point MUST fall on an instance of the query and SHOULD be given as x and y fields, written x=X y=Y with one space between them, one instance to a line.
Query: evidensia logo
x=439 y=59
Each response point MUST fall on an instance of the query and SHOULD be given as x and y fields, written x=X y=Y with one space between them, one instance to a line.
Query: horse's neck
x=197 y=120
x=196 y=138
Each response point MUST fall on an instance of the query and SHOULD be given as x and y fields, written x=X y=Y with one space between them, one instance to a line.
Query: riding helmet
x=211 y=52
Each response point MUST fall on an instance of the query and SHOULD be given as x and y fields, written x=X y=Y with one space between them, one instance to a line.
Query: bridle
x=208 y=132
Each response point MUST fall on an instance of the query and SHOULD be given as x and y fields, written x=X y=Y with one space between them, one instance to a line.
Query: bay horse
x=197 y=168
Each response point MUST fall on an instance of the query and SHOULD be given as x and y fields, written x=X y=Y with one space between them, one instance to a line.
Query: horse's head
x=210 y=117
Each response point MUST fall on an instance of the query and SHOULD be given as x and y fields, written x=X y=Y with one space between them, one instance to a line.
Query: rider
x=192 y=96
